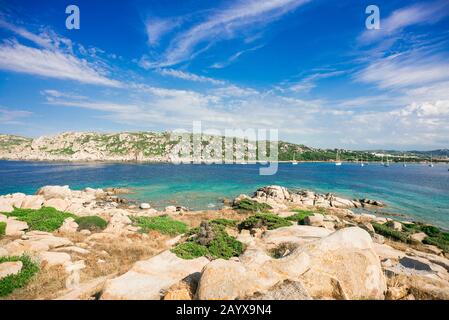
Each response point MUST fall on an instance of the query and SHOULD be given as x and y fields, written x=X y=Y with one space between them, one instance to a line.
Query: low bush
x=390 y=232
x=163 y=224
x=9 y=283
x=225 y=222
x=253 y=206
x=2 y=228
x=300 y=215
x=45 y=219
x=268 y=220
x=91 y=223
x=210 y=240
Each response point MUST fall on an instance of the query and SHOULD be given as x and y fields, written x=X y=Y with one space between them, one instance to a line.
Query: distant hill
x=155 y=146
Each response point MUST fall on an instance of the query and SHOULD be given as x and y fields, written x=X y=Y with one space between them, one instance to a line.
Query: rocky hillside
x=152 y=146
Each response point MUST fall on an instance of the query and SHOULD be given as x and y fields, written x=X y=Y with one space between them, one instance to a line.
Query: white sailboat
x=337 y=160
x=431 y=163
x=387 y=164
x=361 y=162
x=382 y=162
x=404 y=165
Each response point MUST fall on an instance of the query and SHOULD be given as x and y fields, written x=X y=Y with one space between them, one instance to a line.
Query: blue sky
x=309 y=68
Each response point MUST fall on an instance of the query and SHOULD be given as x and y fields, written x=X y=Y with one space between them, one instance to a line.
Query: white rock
x=32 y=202
x=15 y=227
x=317 y=220
x=58 y=204
x=6 y=206
x=69 y=226
x=147 y=278
x=145 y=206
x=10 y=268
x=52 y=192
x=54 y=258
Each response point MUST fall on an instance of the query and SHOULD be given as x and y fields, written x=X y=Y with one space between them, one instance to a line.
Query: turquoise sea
x=417 y=191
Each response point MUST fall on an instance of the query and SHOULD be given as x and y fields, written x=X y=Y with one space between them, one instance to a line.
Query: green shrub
x=9 y=283
x=220 y=244
x=437 y=241
x=163 y=224
x=2 y=228
x=45 y=219
x=91 y=223
x=300 y=215
x=268 y=220
x=190 y=250
x=390 y=232
x=251 y=205
x=225 y=222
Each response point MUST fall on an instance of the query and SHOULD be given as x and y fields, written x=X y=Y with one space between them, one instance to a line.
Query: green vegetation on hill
x=163 y=224
x=44 y=219
x=9 y=283
x=299 y=216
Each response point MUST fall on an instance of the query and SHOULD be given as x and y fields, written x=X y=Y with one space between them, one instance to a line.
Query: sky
x=309 y=68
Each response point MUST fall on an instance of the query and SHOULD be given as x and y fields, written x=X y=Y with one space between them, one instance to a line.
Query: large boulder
x=296 y=234
x=51 y=259
x=52 y=192
x=317 y=220
x=58 y=204
x=147 y=279
x=276 y=193
x=256 y=272
x=32 y=202
x=15 y=227
x=344 y=266
x=341 y=203
x=5 y=205
x=10 y=268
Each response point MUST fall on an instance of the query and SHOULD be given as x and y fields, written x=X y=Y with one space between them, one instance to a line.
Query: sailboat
x=404 y=165
x=382 y=162
x=361 y=162
x=387 y=164
x=294 y=162
x=337 y=160
x=431 y=163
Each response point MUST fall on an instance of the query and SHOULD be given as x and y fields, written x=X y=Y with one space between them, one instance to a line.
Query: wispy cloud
x=189 y=76
x=227 y=23
x=11 y=117
x=421 y=13
x=233 y=58
x=309 y=82
x=49 y=59
x=156 y=28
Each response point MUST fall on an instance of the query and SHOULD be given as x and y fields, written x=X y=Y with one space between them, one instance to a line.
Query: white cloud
x=50 y=63
x=189 y=76
x=421 y=13
x=227 y=23
x=405 y=70
x=233 y=58
x=156 y=28
x=309 y=82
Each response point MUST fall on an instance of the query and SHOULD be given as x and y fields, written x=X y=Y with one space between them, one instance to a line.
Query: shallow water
x=417 y=191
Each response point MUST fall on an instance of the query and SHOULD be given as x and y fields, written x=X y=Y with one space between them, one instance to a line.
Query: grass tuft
x=91 y=223
x=209 y=240
x=253 y=206
x=300 y=215
x=268 y=220
x=2 y=228
x=163 y=224
x=10 y=283
x=45 y=219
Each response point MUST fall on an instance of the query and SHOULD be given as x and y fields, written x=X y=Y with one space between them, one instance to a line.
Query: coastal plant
x=268 y=220
x=300 y=215
x=390 y=232
x=163 y=224
x=9 y=283
x=225 y=222
x=210 y=240
x=252 y=205
x=91 y=223
x=2 y=228
x=45 y=219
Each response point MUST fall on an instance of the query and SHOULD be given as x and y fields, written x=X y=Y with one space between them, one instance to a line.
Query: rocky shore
x=274 y=244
